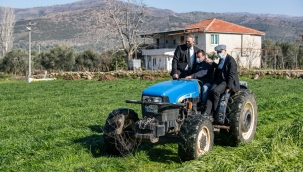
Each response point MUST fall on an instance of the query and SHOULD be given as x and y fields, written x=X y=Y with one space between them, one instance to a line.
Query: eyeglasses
x=219 y=51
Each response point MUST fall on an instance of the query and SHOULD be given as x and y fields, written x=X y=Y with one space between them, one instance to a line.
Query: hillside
x=73 y=24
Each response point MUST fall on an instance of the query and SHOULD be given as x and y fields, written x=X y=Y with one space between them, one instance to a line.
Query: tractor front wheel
x=117 y=129
x=196 y=137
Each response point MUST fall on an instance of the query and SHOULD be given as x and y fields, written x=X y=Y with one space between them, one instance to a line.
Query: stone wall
x=138 y=74
x=257 y=74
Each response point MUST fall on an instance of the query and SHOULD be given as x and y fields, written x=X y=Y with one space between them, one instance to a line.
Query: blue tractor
x=170 y=114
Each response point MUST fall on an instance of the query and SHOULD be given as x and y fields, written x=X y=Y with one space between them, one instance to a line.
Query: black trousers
x=216 y=90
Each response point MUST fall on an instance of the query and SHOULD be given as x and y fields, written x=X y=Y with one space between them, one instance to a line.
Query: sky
x=285 y=7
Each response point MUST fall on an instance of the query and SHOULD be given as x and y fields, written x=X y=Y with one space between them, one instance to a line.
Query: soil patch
x=71 y=78
x=107 y=78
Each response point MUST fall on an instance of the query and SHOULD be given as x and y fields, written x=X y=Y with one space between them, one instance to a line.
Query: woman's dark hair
x=201 y=51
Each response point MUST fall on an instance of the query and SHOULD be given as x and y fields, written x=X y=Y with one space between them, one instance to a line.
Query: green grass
x=55 y=126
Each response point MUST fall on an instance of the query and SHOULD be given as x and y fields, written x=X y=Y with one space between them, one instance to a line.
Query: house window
x=196 y=40
x=174 y=42
x=214 y=39
x=154 y=61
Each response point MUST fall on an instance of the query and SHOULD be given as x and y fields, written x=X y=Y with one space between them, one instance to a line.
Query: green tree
x=66 y=59
x=15 y=62
x=299 y=40
x=110 y=58
x=118 y=63
x=278 y=57
x=289 y=51
x=88 y=60
x=36 y=60
x=58 y=58
x=300 y=56
x=47 y=62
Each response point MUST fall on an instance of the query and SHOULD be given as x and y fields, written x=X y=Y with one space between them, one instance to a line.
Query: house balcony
x=170 y=46
x=162 y=49
x=160 y=46
x=157 y=52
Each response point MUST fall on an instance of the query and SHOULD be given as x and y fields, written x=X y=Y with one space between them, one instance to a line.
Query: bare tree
x=268 y=53
x=124 y=20
x=105 y=60
x=7 y=29
x=252 y=53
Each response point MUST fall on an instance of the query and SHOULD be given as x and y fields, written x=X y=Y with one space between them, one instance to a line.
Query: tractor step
x=218 y=127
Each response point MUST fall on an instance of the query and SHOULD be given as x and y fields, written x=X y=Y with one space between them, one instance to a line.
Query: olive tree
x=88 y=60
x=15 y=62
x=60 y=58
x=299 y=40
x=289 y=54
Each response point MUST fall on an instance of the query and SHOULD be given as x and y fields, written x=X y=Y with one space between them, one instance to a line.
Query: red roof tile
x=221 y=26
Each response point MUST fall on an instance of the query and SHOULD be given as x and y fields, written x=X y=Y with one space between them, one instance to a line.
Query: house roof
x=213 y=26
x=221 y=26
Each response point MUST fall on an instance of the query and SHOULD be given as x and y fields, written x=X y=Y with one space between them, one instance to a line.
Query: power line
x=25 y=21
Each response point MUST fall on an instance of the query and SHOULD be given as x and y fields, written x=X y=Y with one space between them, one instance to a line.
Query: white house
x=243 y=43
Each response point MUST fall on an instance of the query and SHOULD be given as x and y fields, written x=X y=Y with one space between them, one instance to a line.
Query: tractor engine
x=164 y=107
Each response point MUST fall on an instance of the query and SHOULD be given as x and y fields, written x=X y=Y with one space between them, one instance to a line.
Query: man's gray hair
x=191 y=36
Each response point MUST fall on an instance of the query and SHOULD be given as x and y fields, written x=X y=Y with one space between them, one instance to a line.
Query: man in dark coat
x=184 y=58
x=226 y=79
x=203 y=71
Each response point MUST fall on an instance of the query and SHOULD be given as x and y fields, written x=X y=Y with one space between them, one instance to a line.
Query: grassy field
x=55 y=126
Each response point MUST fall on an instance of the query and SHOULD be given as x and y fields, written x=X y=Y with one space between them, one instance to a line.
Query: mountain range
x=72 y=24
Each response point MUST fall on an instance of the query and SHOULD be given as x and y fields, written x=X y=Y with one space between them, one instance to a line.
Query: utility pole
x=29 y=48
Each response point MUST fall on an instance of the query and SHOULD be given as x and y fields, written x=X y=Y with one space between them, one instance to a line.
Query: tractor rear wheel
x=196 y=137
x=242 y=117
x=116 y=132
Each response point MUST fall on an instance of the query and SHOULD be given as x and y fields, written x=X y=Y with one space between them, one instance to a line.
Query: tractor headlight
x=152 y=99
x=157 y=99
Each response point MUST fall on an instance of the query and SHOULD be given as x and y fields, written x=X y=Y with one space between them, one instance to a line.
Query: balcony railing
x=160 y=46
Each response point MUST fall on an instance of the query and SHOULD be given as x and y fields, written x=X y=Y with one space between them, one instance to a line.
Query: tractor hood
x=175 y=90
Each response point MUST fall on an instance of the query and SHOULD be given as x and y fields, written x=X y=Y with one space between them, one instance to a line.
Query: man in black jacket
x=184 y=58
x=203 y=71
x=226 y=79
